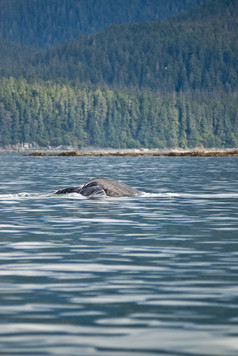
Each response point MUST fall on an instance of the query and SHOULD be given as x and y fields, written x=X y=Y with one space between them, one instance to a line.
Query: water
x=151 y=275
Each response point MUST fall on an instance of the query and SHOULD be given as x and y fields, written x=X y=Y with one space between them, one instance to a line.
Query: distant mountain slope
x=172 y=55
x=212 y=12
x=171 y=83
x=41 y=23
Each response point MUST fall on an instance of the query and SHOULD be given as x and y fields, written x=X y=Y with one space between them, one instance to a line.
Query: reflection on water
x=155 y=274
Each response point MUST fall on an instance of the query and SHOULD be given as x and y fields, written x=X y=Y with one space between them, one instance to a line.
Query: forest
x=42 y=23
x=170 y=83
x=55 y=114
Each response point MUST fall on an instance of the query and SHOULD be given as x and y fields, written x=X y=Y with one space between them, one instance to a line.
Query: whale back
x=114 y=188
x=68 y=190
x=92 y=190
x=101 y=187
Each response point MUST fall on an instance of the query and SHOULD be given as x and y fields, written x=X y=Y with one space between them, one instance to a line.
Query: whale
x=102 y=187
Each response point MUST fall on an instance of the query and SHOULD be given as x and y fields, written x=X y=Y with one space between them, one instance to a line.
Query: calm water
x=151 y=275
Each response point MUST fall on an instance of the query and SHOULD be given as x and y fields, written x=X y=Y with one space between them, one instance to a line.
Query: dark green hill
x=171 y=83
x=42 y=23
x=175 y=55
x=212 y=12
x=14 y=58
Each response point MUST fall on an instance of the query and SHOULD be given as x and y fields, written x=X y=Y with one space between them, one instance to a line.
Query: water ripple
x=155 y=274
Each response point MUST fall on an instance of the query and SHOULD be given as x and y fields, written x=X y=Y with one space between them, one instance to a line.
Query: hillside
x=41 y=23
x=184 y=54
x=168 y=83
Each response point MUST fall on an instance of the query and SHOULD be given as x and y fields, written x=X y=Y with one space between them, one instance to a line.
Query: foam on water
x=25 y=196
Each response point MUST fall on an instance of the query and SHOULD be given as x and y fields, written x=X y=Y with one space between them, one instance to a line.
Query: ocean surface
x=150 y=275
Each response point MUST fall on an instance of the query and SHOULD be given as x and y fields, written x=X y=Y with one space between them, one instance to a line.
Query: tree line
x=55 y=114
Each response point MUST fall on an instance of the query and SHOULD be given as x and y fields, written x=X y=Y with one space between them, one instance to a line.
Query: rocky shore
x=32 y=149
x=142 y=152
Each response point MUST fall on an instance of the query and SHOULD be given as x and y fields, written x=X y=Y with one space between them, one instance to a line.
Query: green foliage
x=51 y=114
x=179 y=55
x=164 y=84
x=42 y=23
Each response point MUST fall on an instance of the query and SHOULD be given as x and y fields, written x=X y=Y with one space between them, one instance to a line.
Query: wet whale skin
x=100 y=187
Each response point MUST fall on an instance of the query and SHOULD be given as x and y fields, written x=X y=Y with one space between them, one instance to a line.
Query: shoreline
x=70 y=151
x=140 y=153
